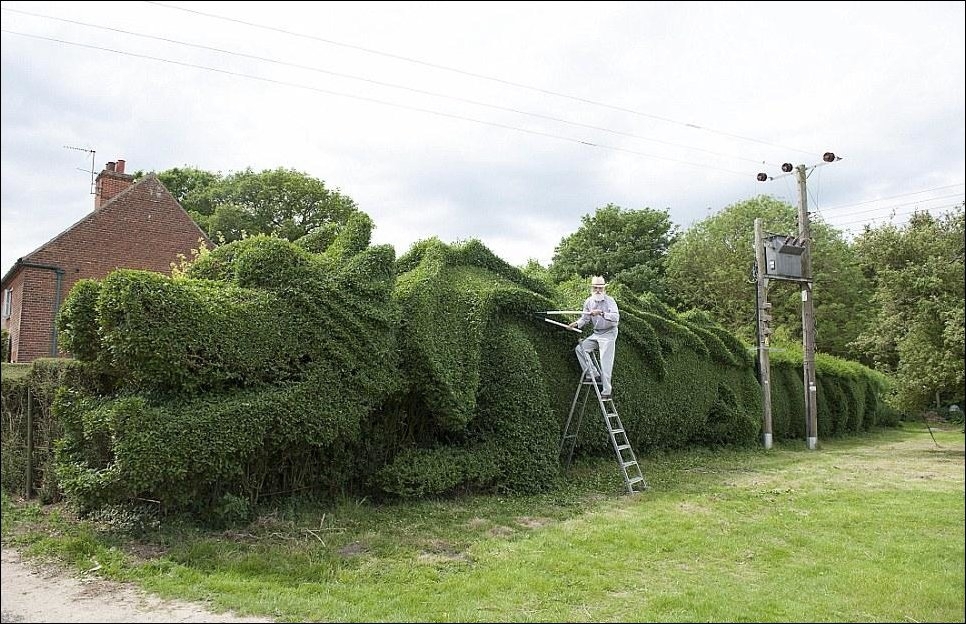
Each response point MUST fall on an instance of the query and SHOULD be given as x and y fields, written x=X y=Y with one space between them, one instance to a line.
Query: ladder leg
x=573 y=425
x=630 y=468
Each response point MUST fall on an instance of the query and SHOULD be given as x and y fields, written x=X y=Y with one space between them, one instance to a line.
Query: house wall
x=35 y=338
x=12 y=323
x=141 y=228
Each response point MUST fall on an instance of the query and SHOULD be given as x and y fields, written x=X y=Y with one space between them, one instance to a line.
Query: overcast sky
x=505 y=122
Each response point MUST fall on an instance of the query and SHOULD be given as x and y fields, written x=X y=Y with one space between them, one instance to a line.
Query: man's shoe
x=605 y=396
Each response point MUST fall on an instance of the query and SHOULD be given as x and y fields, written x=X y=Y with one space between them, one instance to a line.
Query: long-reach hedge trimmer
x=558 y=323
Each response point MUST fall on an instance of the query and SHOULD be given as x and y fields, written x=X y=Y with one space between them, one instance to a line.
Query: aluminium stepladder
x=630 y=468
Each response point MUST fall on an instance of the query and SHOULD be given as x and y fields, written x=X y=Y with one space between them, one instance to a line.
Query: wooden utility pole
x=808 y=305
x=763 y=318
x=808 y=314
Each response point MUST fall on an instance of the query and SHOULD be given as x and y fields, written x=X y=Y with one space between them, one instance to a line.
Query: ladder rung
x=615 y=429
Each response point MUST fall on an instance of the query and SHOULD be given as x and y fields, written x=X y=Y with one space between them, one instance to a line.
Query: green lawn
x=864 y=529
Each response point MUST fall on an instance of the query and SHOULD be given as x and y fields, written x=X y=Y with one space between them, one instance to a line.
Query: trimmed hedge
x=249 y=375
x=329 y=366
x=38 y=382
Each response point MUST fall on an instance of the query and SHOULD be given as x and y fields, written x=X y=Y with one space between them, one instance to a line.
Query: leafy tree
x=710 y=268
x=627 y=246
x=842 y=293
x=917 y=331
x=188 y=185
x=280 y=202
x=230 y=222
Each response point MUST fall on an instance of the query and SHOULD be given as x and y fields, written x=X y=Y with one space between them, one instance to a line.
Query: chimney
x=111 y=181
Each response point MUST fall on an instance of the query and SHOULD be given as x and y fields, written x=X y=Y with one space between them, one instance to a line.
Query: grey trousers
x=605 y=342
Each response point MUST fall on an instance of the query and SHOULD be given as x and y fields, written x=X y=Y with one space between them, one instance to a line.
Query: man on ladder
x=601 y=310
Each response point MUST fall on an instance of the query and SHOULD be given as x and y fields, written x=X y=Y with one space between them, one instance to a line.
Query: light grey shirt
x=608 y=321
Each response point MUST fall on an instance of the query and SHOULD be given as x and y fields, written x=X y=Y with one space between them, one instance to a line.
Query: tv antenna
x=92 y=152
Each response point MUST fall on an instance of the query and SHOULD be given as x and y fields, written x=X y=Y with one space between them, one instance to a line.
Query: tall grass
x=864 y=529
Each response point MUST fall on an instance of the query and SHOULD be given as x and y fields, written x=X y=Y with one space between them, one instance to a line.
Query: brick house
x=133 y=225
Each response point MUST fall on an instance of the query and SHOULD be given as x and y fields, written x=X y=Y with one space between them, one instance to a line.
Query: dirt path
x=32 y=593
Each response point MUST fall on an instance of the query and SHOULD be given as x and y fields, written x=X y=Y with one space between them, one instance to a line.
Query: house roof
x=149 y=179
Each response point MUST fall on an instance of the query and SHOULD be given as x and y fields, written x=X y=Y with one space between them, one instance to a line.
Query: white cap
x=597 y=280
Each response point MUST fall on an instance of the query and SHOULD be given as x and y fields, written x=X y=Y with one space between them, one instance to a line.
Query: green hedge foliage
x=13 y=448
x=78 y=323
x=330 y=366
x=850 y=398
x=248 y=375
x=38 y=383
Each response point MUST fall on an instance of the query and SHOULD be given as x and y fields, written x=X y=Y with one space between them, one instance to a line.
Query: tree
x=710 y=266
x=627 y=246
x=188 y=185
x=280 y=202
x=917 y=332
x=230 y=222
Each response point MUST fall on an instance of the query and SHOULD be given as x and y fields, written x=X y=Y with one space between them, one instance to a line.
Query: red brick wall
x=36 y=316
x=142 y=228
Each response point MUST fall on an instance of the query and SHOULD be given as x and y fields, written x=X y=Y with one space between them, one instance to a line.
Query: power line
x=869 y=201
x=383 y=84
x=917 y=202
x=376 y=101
x=897 y=214
x=894 y=206
x=476 y=75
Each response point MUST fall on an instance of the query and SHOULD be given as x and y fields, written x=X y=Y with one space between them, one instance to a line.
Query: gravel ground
x=47 y=593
